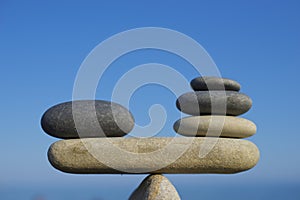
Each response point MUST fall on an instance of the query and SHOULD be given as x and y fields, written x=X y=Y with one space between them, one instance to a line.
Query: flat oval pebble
x=214 y=103
x=114 y=119
x=218 y=126
x=214 y=83
x=101 y=155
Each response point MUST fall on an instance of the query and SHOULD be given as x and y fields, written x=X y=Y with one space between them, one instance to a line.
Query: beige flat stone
x=181 y=155
x=155 y=187
x=223 y=126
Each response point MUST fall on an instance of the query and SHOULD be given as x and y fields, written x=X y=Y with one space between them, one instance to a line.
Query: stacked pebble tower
x=206 y=91
x=228 y=155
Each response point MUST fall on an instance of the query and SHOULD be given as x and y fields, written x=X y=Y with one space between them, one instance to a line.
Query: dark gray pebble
x=214 y=83
x=114 y=119
x=214 y=103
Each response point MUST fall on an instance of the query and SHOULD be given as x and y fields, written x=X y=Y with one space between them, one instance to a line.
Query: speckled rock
x=223 y=126
x=143 y=155
x=214 y=103
x=155 y=187
x=112 y=118
x=214 y=83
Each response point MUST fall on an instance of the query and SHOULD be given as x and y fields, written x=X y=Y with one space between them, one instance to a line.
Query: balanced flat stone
x=94 y=118
x=214 y=83
x=215 y=126
x=179 y=155
x=214 y=103
x=155 y=187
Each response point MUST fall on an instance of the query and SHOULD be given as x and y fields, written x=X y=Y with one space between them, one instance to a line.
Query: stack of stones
x=214 y=104
x=115 y=121
x=101 y=125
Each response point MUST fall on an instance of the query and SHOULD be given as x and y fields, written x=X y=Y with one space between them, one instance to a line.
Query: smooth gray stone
x=153 y=155
x=114 y=119
x=223 y=102
x=215 y=126
x=214 y=83
x=155 y=187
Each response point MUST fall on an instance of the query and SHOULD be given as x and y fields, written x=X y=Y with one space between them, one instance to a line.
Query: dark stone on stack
x=214 y=83
x=201 y=102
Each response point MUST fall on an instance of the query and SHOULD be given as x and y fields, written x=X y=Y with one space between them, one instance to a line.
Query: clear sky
x=43 y=43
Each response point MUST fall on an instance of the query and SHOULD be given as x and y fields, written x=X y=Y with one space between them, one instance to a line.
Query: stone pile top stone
x=214 y=83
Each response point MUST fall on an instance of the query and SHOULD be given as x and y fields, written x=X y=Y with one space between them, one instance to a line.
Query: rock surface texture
x=155 y=187
x=112 y=118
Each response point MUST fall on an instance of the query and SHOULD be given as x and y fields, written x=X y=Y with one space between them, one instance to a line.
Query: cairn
x=90 y=127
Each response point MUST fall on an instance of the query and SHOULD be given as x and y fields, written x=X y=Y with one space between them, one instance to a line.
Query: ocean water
x=188 y=192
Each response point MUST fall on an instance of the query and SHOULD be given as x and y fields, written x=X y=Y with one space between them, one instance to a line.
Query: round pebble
x=109 y=120
x=214 y=83
x=215 y=126
x=214 y=103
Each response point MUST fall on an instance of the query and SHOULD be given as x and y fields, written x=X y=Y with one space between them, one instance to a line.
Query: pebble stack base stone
x=227 y=155
x=155 y=187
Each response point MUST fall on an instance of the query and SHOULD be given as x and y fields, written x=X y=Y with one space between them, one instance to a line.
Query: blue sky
x=42 y=45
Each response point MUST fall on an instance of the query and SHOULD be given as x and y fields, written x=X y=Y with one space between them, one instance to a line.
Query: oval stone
x=218 y=126
x=214 y=103
x=214 y=83
x=94 y=118
x=99 y=155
